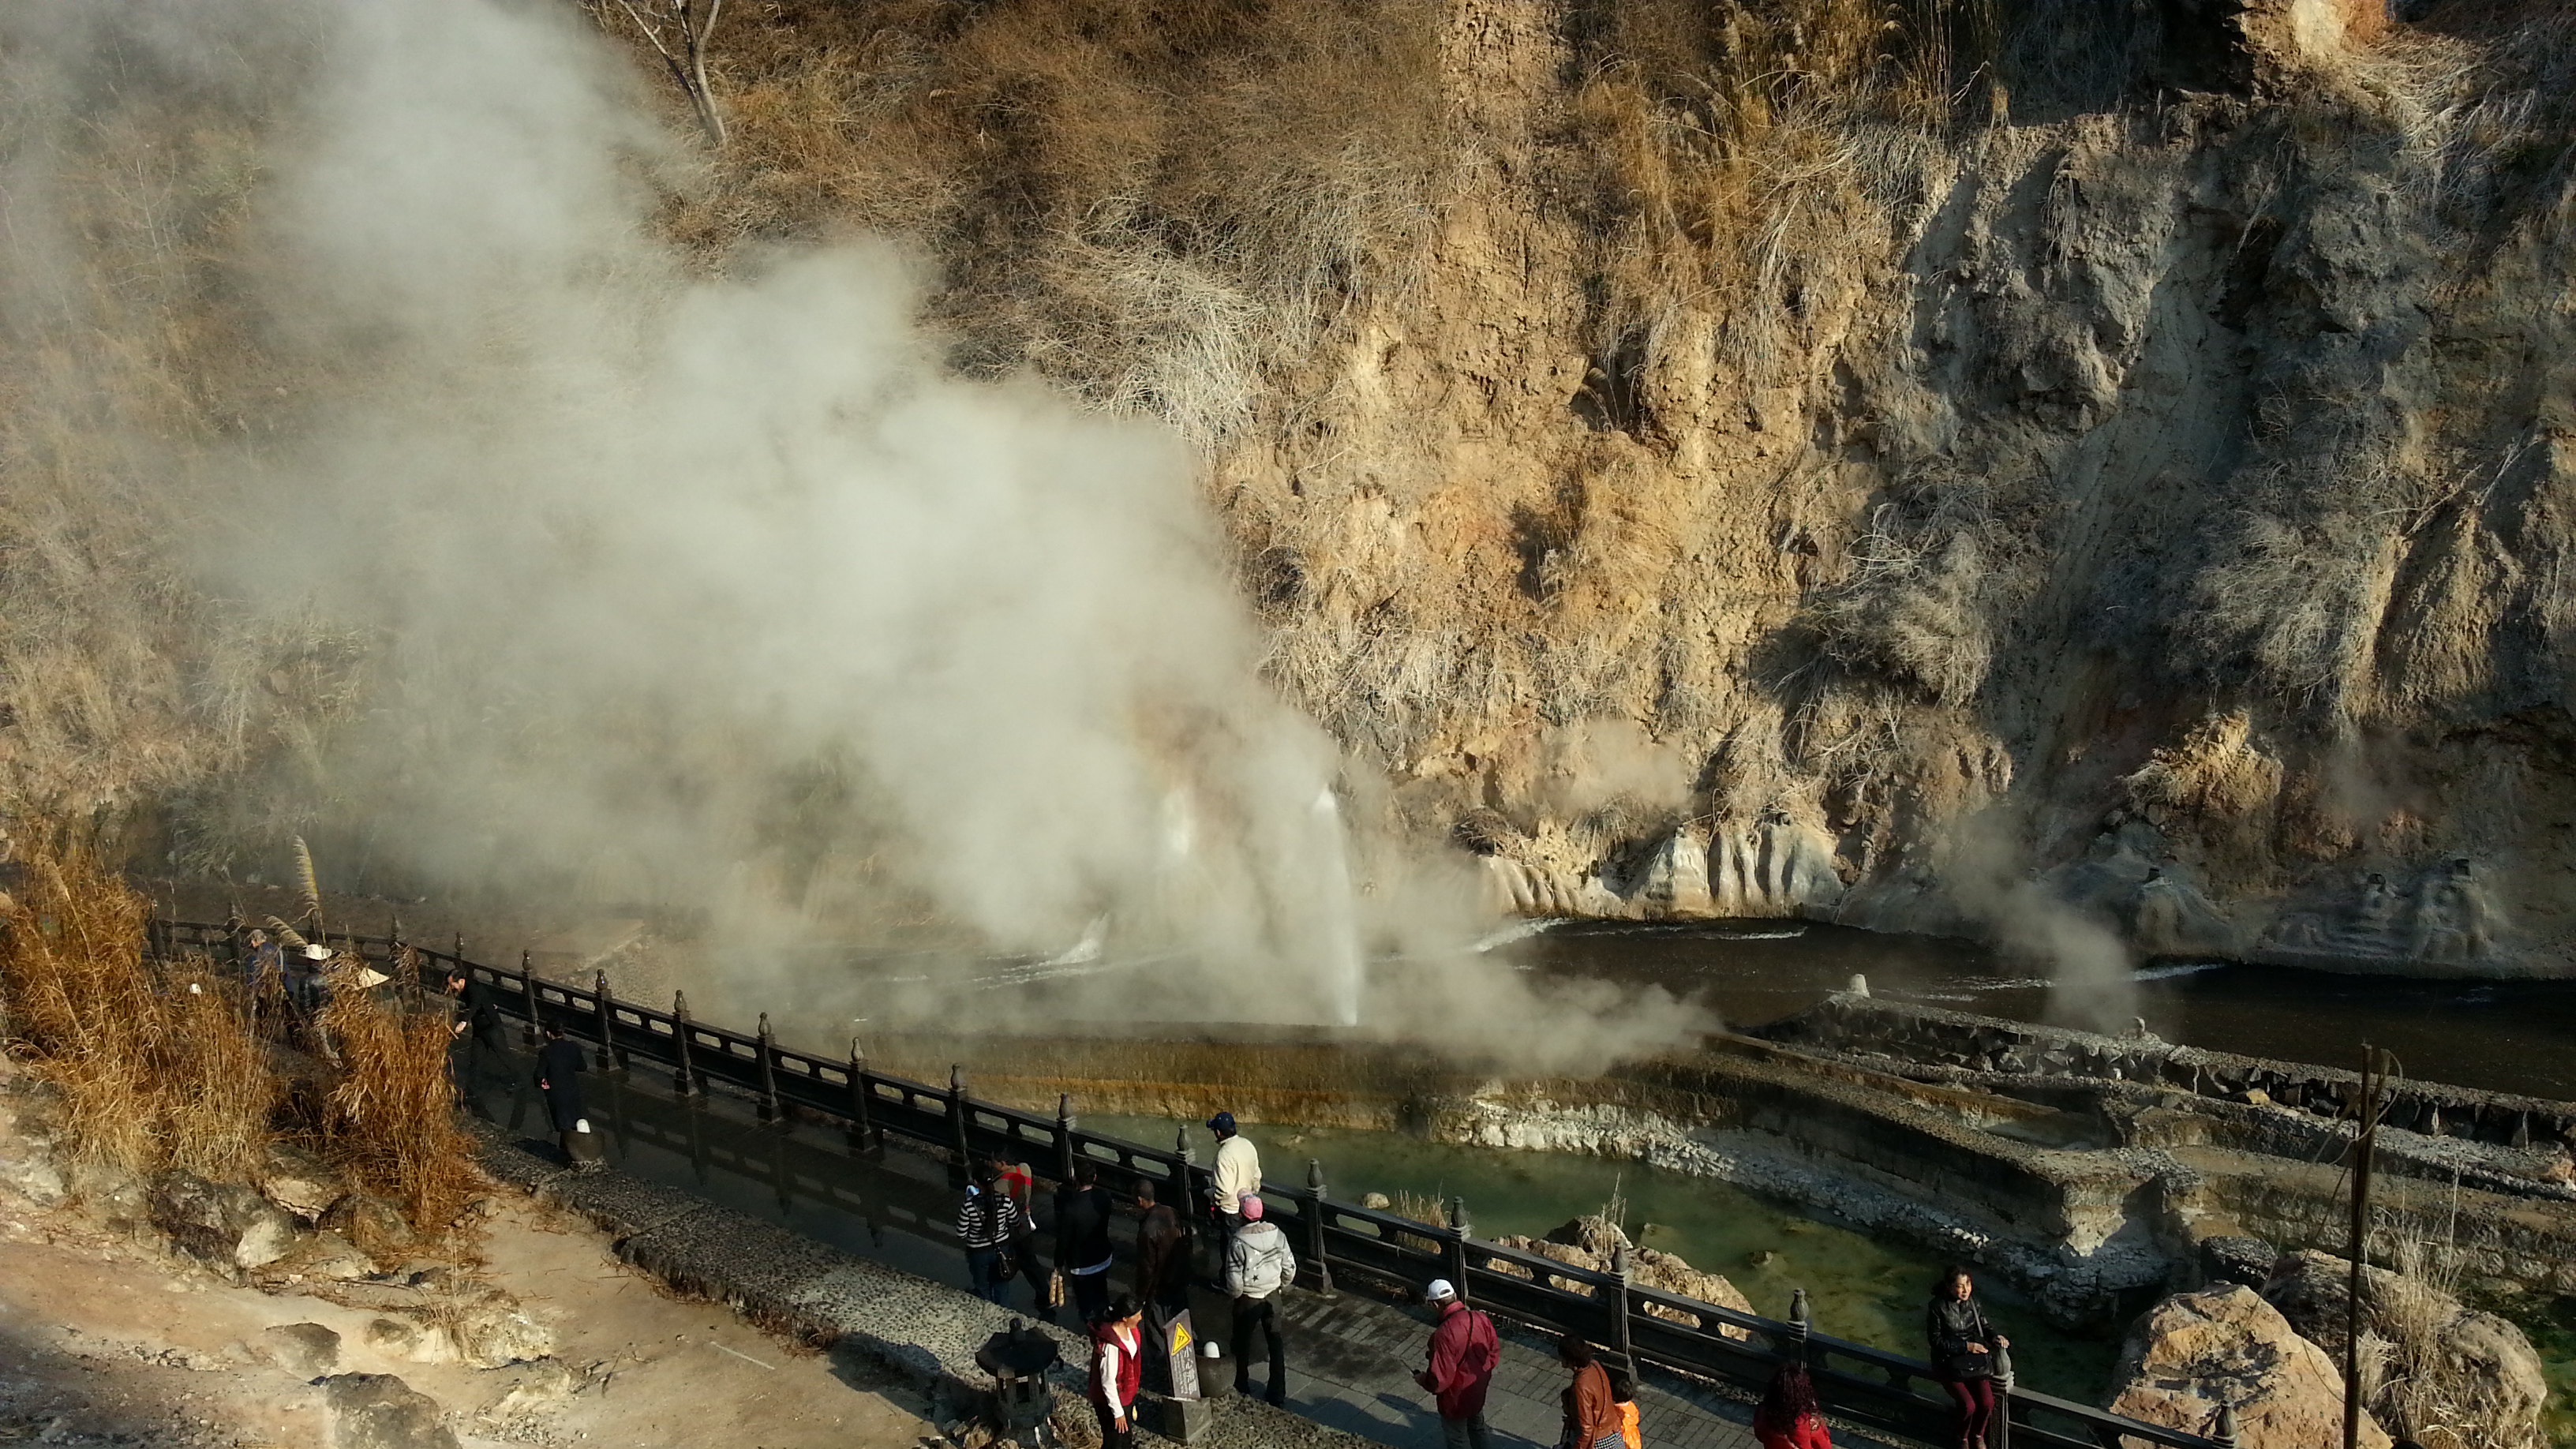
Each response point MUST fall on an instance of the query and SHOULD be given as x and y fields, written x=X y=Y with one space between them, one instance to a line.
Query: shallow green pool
x=1858 y=1287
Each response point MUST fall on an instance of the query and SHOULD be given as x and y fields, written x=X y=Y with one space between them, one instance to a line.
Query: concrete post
x=1455 y=1250
x=609 y=1059
x=769 y=1105
x=957 y=1123
x=863 y=1133
x=1064 y=1137
x=1316 y=1252
x=1622 y=1274
x=685 y=1080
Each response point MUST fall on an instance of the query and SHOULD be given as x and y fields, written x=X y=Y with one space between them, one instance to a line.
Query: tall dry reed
x=159 y=1062
x=391 y=1116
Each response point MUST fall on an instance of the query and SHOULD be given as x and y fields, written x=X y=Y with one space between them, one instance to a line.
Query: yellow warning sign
x=1180 y=1338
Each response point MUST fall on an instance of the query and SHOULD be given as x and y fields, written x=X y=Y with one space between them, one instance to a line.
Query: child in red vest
x=1117 y=1371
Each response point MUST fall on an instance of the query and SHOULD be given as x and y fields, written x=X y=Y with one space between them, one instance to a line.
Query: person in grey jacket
x=1257 y=1265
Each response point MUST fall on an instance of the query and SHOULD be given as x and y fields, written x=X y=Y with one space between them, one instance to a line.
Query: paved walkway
x=1351 y=1361
x=1351 y=1355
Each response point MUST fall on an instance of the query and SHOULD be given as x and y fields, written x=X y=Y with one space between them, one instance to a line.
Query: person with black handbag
x=1965 y=1353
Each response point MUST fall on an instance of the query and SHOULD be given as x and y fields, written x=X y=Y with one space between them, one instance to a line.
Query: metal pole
x=528 y=997
x=1316 y=1250
x=957 y=1121
x=685 y=1080
x=609 y=1058
x=769 y=1111
x=2371 y=1067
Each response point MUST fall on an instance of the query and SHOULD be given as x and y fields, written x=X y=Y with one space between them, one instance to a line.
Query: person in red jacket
x=1117 y=1371
x=1464 y=1350
x=1788 y=1417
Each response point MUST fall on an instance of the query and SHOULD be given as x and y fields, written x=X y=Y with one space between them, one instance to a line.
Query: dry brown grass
x=391 y=1115
x=159 y=1064
x=163 y=1064
x=1145 y=202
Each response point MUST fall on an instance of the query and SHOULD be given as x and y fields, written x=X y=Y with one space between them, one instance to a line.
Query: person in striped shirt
x=984 y=1221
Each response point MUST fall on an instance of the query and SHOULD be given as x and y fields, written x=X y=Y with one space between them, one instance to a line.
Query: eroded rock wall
x=2158 y=483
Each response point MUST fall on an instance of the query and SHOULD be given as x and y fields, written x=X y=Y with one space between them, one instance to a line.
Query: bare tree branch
x=678 y=31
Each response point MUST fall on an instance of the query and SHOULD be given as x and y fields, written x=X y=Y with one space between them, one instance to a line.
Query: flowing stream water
x=2503 y=1036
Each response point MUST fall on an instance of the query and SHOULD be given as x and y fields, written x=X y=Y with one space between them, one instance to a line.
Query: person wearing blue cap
x=1238 y=1173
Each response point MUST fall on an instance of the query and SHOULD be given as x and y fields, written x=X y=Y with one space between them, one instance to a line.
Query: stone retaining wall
x=1934 y=1037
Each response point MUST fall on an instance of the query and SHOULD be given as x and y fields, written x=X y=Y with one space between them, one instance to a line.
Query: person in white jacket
x=1238 y=1174
x=1257 y=1265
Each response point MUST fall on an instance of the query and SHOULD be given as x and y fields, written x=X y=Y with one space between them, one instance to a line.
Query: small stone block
x=1184 y=1421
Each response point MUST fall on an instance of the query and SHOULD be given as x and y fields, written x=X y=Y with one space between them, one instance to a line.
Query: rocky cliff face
x=1853 y=458
x=1841 y=460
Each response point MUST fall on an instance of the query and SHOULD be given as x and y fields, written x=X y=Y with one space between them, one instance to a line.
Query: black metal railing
x=1336 y=1240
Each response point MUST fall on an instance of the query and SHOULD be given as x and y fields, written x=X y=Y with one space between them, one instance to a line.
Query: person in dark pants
x=1021 y=1186
x=1964 y=1352
x=559 y=1066
x=1117 y=1371
x=1082 y=1248
x=1464 y=1353
x=1162 y=1255
x=984 y=1229
x=473 y=1030
x=1257 y=1265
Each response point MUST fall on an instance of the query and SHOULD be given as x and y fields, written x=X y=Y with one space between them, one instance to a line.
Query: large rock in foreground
x=223 y=1224
x=2432 y=1366
x=2225 y=1345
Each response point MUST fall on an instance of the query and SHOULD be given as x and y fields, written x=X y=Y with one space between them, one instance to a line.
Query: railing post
x=1186 y=1201
x=685 y=1080
x=610 y=1059
x=1455 y=1249
x=1064 y=1137
x=769 y=1111
x=957 y=1145
x=528 y=998
x=1622 y=1274
x=1800 y=1325
x=1317 y=1249
x=863 y=1135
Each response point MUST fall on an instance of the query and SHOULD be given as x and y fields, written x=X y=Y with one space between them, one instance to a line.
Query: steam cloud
x=720 y=592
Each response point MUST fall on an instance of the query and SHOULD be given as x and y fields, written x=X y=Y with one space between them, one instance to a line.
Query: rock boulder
x=302 y=1348
x=2429 y=1359
x=2225 y=1345
x=32 y=1140
x=379 y=1411
x=225 y=1225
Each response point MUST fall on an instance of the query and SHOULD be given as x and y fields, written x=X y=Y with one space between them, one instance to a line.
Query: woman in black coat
x=1965 y=1352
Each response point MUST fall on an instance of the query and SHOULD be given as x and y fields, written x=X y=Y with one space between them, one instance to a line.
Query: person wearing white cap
x=1464 y=1350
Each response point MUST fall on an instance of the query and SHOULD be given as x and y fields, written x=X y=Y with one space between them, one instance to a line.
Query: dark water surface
x=2503 y=1036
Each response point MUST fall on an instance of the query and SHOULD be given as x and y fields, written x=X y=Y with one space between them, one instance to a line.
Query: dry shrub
x=391 y=1117
x=159 y=1063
